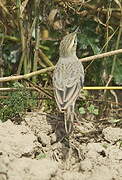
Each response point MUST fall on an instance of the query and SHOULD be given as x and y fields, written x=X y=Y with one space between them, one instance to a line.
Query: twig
x=37 y=38
x=4 y=97
x=11 y=38
x=40 y=89
x=103 y=87
x=117 y=45
x=110 y=102
x=115 y=95
x=26 y=76
x=114 y=59
x=103 y=10
x=84 y=88
x=4 y=173
x=23 y=40
x=16 y=89
x=99 y=56
x=45 y=58
x=36 y=51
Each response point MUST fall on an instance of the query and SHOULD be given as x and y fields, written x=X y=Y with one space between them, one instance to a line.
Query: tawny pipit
x=68 y=78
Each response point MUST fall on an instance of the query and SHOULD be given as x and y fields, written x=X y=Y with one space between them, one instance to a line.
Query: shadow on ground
x=38 y=149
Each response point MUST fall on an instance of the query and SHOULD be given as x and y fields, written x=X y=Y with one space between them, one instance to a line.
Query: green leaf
x=105 y=146
x=120 y=145
x=94 y=46
x=41 y=156
x=118 y=72
x=82 y=110
x=91 y=108
x=118 y=3
x=112 y=120
x=96 y=112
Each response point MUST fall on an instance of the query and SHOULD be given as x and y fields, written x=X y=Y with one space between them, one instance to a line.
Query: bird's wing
x=67 y=82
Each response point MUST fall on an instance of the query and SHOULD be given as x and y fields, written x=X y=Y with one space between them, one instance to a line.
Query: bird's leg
x=65 y=121
x=76 y=117
x=69 y=118
x=71 y=122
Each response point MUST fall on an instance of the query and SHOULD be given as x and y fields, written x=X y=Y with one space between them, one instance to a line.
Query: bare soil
x=37 y=148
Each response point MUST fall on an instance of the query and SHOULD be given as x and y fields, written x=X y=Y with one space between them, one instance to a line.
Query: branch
x=99 y=56
x=37 y=40
x=11 y=38
x=84 y=88
x=26 y=76
x=45 y=58
x=16 y=89
x=103 y=88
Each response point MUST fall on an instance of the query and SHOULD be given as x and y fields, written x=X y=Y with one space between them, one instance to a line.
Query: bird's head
x=68 y=45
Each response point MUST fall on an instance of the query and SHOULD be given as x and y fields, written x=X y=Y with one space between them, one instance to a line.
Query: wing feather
x=67 y=80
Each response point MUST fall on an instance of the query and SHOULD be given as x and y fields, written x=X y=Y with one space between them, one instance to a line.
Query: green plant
x=93 y=110
x=105 y=146
x=82 y=110
x=90 y=109
x=16 y=103
x=41 y=156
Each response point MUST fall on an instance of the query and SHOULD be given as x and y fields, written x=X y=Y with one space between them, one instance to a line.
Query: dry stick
x=17 y=89
x=102 y=47
x=45 y=58
x=103 y=10
x=95 y=100
x=37 y=34
x=99 y=56
x=114 y=61
x=1 y=57
x=4 y=97
x=39 y=89
x=37 y=38
x=103 y=87
x=84 y=88
x=11 y=38
x=117 y=45
x=26 y=76
x=22 y=35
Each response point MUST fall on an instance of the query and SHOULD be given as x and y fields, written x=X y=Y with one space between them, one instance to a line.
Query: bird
x=68 y=78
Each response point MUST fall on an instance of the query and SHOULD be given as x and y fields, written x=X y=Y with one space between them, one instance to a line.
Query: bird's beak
x=76 y=30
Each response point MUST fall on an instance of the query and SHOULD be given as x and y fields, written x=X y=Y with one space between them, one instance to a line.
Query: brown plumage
x=68 y=78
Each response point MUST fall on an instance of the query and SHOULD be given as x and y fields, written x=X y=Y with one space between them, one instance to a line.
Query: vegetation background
x=30 y=33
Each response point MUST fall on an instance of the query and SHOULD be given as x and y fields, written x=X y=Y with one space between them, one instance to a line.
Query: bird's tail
x=68 y=119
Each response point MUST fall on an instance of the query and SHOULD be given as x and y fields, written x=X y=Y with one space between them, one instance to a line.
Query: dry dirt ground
x=37 y=149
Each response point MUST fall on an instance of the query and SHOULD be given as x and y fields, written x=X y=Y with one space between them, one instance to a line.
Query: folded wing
x=68 y=79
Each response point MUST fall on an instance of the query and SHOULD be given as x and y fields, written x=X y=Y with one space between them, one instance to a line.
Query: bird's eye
x=75 y=41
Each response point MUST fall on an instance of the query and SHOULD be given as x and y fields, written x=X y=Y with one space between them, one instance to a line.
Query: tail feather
x=68 y=119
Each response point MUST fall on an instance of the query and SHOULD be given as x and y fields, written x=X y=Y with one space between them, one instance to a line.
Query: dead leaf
x=23 y=6
x=118 y=3
x=52 y=15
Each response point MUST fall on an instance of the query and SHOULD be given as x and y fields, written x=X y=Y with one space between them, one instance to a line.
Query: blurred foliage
x=31 y=30
x=41 y=156
x=28 y=26
x=17 y=103
x=91 y=109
